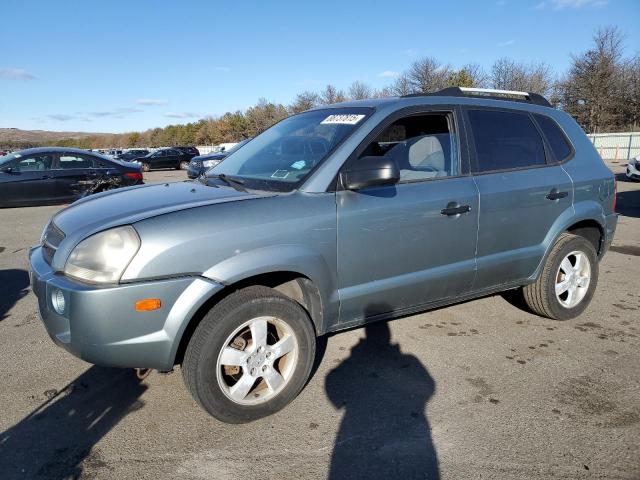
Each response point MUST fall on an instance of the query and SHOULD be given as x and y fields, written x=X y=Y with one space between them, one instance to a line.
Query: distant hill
x=15 y=136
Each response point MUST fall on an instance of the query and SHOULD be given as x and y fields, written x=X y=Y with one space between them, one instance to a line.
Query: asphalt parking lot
x=482 y=389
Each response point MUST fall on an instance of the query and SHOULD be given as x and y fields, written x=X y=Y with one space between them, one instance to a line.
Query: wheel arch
x=587 y=220
x=292 y=284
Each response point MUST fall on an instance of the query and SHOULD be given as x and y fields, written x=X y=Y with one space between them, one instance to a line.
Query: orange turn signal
x=148 y=304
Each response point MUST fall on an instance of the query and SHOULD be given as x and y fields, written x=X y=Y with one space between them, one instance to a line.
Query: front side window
x=422 y=146
x=505 y=140
x=283 y=156
x=557 y=141
x=33 y=163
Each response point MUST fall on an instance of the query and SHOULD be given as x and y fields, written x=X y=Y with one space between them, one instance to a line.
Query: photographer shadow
x=384 y=432
x=57 y=438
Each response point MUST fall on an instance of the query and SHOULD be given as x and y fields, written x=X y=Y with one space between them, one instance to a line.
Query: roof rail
x=510 y=95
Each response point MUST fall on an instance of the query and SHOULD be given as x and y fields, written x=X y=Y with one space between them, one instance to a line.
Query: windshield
x=282 y=157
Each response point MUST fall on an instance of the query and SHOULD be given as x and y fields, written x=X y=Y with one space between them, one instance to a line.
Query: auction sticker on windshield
x=345 y=119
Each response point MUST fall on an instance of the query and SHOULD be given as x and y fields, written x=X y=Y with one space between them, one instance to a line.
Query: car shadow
x=57 y=438
x=14 y=284
x=384 y=432
x=628 y=203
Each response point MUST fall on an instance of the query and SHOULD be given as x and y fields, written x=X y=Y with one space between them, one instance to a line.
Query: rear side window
x=505 y=140
x=557 y=141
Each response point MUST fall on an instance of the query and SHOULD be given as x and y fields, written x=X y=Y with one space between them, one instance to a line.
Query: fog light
x=58 y=302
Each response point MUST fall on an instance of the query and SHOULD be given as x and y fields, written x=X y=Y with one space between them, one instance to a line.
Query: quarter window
x=557 y=141
x=74 y=161
x=422 y=146
x=505 y=140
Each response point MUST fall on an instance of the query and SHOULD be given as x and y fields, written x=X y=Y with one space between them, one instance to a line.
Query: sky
x=125 y=65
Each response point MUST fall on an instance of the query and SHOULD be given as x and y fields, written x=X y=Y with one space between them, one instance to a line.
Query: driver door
x=401 y=247
x=28 y=181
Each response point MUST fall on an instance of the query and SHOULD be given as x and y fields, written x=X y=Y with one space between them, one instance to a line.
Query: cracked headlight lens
x=103 y=257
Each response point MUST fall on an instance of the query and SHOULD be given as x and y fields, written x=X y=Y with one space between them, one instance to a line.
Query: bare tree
x=402 y=86
x=331 y=94
x=470 y=75
x=428 y=75
x=304 y=101
x=592 y=89
x=630 y=96
x=359 y=91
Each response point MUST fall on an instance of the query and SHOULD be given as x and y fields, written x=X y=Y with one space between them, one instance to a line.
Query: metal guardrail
x=616 y=146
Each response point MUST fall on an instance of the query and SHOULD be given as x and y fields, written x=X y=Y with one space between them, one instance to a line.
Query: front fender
x=281 y=258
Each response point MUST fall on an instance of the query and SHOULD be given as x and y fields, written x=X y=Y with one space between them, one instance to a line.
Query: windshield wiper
x=231 y=181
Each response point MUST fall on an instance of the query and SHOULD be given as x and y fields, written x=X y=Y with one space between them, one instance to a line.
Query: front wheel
x=568 y=280
x=146 y=167
x=182 y=165
x=250 y=355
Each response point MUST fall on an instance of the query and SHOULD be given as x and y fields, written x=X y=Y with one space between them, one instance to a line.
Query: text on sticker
x=345 y=119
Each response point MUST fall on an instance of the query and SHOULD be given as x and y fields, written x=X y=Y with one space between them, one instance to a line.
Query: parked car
x=49 y=175
x=332 y=218
x=132 y=154
x=190 y=151
x=633 y=168
x=164 y=158
x=200 y=164
x=113 y=153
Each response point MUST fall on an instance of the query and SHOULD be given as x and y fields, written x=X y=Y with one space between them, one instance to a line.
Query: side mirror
x=369 y=172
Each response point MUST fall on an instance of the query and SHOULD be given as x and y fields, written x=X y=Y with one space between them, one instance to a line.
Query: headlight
x=210 y=163
x=103 y=257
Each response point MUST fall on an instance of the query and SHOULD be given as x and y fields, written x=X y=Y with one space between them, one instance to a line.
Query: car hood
x=126 y=206
x=210 y=156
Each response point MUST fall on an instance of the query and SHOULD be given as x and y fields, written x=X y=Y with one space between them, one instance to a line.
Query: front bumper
x=633 y=170
x=100 y=324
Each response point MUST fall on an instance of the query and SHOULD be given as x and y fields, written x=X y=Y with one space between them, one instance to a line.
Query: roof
x=455 y=96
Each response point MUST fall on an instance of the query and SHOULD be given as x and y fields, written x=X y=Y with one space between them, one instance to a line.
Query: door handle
x=554 y=194
x=453 y=208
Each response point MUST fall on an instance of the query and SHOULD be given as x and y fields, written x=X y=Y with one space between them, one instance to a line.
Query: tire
x=146 y=167
x=541 y=296
x=183 y=165
x=220 y=389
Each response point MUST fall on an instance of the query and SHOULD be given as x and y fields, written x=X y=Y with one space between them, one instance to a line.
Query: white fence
x=616 y=146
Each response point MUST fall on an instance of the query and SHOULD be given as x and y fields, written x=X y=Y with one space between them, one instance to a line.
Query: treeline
x=601 y=89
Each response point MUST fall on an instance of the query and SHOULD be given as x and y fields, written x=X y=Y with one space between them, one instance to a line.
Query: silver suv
x=332 y=218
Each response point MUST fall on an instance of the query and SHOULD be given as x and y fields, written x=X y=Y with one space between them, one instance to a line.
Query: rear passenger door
x=72 y=174
x=523 y=191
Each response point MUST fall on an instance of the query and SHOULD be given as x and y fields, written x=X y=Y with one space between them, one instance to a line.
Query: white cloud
x=61 y=117
x=388 y=74
x=561 y=4
x=115 y=112
x=540 y=6
x=181 y=115
x=15 y=74
x=507 y=43
x=151 y=101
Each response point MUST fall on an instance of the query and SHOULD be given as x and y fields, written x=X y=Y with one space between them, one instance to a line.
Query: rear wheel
x=250 y=355
x=568 y=280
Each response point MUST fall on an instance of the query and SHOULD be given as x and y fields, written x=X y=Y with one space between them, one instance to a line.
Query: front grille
x=196 y=164
x=50 y=241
